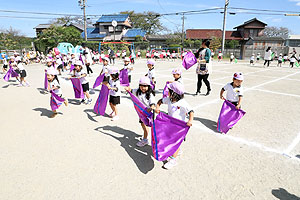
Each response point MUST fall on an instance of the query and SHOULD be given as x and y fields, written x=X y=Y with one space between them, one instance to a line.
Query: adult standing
x=111 y=54
x=204 y=66
x=268 y=56
x=88 y=59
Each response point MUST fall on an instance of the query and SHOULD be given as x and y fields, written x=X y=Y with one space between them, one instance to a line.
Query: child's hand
x=221 y=97
x=149 y=109
x=127 y=89
x=238 y=107
x=189 y=123
x=157 y=111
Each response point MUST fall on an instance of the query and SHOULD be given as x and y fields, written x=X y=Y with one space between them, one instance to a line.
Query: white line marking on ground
x=292 y=145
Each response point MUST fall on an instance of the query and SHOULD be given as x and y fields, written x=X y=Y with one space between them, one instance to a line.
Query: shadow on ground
x=42 y=91
x=45 y=112
x=212 y=125
x=74 y=101
x=282 y=194
x=142 y=156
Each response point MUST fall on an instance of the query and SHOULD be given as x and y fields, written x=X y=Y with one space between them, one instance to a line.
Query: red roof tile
x=210 y=33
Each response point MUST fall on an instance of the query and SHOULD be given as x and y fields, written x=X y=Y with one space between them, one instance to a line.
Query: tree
x=215 y=43
x=231 y=44
x=272 y=31
x=12 y=39
x=147 y=21
x=69 y=19
x=56 y=34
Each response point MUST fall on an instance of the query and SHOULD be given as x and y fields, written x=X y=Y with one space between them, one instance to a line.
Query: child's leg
x=54 y=114
x=145 y=129
x=87 y=94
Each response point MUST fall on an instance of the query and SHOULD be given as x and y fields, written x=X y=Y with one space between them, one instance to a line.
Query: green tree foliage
x=231 y=44
x=148 y=21
x=215 y=43
x=12 y=39
x=56 y=34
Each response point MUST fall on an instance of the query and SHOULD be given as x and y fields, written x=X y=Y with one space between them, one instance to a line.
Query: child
x=252 y=60
x=5 y=63
x=177 y=108
x=123 y=54
x=54 y=86
x=148 y=55
x=293 y=59
x=78 y=72
x=220 y=56
x=114 y=93
x=146 y=95
x=129 y=68
x=105 y=69
x=285 y=58
x=65 y=61
x=258 y=57
x=59 y=64
x=118 y=54
x=231 y=58
x=234 y=90
x=151 y=72
x=279 y=60
x=22 y=73
x=177 y=76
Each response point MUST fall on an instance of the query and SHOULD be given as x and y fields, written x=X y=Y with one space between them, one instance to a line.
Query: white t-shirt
x=293 y=59
x=268 y=55
x=123 y=54
x=53 y=84
x=105 y=69
x=151 y=74
x=128 y=70
x=83 y=80
x=115 y=84
x=231 y=56
x=5 y=61
x=252 y=58
x=179 y=109
x=148 y=54
x=180 y=80
x=233 y=94
x=118 y=54
x=143 y=99
x=20 y=66
x=102 y=55
x=58 y=61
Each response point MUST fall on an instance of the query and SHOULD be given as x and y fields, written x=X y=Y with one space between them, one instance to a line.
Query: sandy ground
x=79 y=155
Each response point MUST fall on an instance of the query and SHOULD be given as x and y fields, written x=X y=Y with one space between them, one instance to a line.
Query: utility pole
x=182 y=36
x=82 y=4
x=224 y=25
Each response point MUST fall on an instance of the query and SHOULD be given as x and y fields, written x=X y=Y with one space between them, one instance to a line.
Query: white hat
x=48 y=60
x=176 y=71
x=144 y=81
x=177 y=87
x=238 y=76
x=127 y=59
x=106 y=58
x=113 y=70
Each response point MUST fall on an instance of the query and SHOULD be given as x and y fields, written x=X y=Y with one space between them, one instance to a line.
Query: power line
x=37 y=13
x=3 y=16
x=263 y=10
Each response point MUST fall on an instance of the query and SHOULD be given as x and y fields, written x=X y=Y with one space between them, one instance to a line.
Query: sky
x=200 y=21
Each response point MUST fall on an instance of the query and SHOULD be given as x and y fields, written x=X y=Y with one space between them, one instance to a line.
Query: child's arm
x=128 y=89
x=191 y=118
x=158 y=105
x=221 y=94
x=239 y=103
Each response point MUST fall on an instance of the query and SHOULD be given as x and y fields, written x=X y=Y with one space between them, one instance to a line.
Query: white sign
x=114 y=23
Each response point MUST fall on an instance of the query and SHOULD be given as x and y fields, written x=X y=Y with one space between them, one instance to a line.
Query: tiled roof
x=265 y=38
x=45 y=26
x=93 y=33
x=110 y=18
x=162 y=37
x=135 y=32
x=209 y=33
x=249 y=21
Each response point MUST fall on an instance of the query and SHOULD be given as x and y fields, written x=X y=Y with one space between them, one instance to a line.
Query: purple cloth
x=14 y=73
x=72 y=68
x=101 y=103
x=229 y=116
x=55 y=101
x=167 y=135
x=166 y=90
x=99 y=80
x=189 y=60
x=80 y=58
x=46 y=82
x=145 y=116
x=7 y=75
x=124 y=80
x=77 y=88
x=152 y=85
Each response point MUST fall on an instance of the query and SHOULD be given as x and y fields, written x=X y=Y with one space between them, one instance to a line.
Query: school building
x=250 y=35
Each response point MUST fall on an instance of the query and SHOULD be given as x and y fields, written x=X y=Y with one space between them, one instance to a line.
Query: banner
x=228 y=117
x=145 y=116
x=77 y=88
x=189 y=60
x=55 y=101
x=101 y=103
x=99 y=80
x=166 y=90
x=124 y=77
x=167 y=135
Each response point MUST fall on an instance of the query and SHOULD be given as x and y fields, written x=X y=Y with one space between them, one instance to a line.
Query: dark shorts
x=235 y=103
x=279 y=61
x=251 y=61
x=114 y=100
x=60 y=66
x=23 y=73
x=231 y=60
x=5 y=66
x=65 y=64
x=85 y=87
x=257 y=58
x=220 y=57
x=129 y=78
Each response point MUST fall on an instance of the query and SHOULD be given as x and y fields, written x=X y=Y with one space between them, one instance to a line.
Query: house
x=42 y=27
x=293 y=42
x=201 y=34
x=104 y=31
x=160 y=41
x=251 y=28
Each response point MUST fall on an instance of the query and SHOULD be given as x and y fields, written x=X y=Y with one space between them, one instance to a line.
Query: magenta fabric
x=152 y=85
x=229 y=116
x=14 y=73
x=145 y=116
x=80 y=58
x=101 y=103
x=46 y=82
x=72 y=68
x=189 y=60
x=55 y=101
x=166 y=90
x=124 y=80
x=167 y=135
x=99 y=80
x=7 y=75
x=77 y=88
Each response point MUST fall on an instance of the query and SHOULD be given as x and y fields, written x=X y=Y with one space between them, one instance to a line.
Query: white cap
x=127 y=59
x=106 y=58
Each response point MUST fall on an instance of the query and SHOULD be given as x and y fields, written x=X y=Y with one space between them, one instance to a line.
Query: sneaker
x=115 y=118
x=66 y=103
x=89 y=101
x=82 y=101
x=207 y=93
x=20 y=85
x=171 y=163
x=142 y=143
x=197 y=93
x=53 y=115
